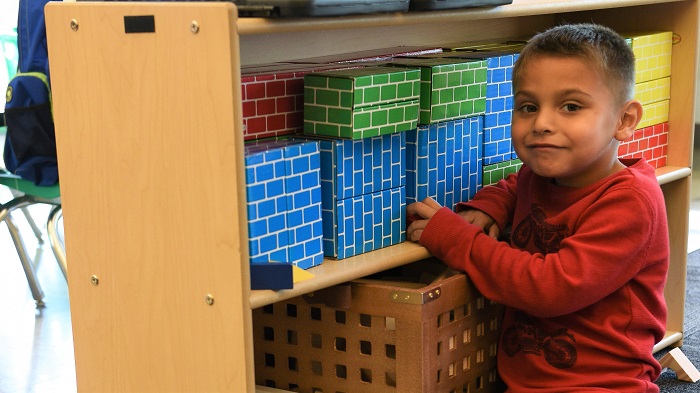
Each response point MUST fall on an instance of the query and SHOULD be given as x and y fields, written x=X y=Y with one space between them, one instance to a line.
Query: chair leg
x=30 y=219
x=56 y=244
x=27 y=263
x=32 y=224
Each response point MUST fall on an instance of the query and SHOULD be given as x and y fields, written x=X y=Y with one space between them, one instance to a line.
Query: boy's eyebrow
x=565 y=92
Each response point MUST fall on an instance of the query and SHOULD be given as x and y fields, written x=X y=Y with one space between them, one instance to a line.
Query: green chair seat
x=28 y=187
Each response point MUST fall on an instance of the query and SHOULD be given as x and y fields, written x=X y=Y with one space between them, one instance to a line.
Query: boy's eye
x=527 y=108
x=571 y=107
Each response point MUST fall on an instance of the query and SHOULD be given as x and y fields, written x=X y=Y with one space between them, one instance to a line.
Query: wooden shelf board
x=254 y=26
x=332 y=272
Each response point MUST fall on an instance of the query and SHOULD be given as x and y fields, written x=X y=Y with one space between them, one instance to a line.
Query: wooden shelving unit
x=149 y=136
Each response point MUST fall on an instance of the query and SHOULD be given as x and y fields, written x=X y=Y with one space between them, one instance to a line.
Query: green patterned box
x=495 y=172
x=450 y=88
x=361 y=102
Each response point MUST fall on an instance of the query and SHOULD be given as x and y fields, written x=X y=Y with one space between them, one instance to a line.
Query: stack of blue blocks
x=363 y=186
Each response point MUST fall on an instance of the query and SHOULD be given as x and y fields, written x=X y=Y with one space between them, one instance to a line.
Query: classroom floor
x=36 y=345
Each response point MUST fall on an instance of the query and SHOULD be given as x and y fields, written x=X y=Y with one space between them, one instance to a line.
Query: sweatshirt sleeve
x=601 y=255
x=497 y=200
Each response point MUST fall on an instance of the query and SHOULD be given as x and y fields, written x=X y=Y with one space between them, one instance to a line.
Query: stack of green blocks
x=361 y=102
x=450 y=88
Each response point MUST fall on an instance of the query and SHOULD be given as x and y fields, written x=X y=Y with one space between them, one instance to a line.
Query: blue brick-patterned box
x=368 y=222
x=283 y=193
x=444 y=161
x=362 y=166
x=499 y=105
x=355 y=169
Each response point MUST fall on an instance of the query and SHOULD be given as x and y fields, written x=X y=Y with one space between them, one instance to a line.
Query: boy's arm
x=600 y=257
x=497 y=201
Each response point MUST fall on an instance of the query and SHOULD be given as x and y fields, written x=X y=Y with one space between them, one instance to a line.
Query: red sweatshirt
x=582 y=278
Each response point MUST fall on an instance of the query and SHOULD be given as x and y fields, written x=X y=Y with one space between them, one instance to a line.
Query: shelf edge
x=669 y=339
x=253 y=26
x=332 y=272
x=668 y=174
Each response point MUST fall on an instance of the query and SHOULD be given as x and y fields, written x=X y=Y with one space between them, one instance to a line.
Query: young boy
x=583 y=276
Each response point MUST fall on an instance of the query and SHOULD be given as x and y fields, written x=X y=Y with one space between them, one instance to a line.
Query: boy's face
x=566 y=121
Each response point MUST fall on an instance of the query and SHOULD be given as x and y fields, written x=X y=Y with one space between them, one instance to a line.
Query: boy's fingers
x=494 y=231
x=414 y=236
x=415 y=230
x=420 y=209
x=431 y=203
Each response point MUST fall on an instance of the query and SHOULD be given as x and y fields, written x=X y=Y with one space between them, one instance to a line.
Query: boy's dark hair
x=604 y=48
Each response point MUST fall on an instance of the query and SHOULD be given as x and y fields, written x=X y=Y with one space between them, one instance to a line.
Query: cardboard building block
x=652 y=52
x=678 y=362
x=361 y=102
x=354 y=167
x=499 y=106
x=653 y=91
x=650 y=142
x=450 y=88
x=443 y=161
x=273 y=98
x=267 y=205
x=654 y=113
x=367 y=222
x=351 y=169
x=283 y=193
x=495 y=172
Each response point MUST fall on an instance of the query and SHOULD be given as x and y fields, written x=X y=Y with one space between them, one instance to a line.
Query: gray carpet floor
x=691 y=341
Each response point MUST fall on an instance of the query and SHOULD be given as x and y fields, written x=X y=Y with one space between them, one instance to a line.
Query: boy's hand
x=481 y=219
x=418 y=214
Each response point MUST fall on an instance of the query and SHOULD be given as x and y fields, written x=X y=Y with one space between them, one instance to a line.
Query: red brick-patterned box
x=273 y=98
x=648 y=142
x=382 y=334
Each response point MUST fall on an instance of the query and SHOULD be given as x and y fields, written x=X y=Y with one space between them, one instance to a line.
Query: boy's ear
x=630 y=118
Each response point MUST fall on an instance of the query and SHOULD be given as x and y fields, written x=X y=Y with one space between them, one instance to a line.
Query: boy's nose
x=543 y=122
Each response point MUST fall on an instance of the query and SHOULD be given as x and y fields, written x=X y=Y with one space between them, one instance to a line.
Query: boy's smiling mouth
x=543 y=146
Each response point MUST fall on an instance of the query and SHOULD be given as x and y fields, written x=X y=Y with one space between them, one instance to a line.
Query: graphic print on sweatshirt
x=557 y=347
x=546 y=237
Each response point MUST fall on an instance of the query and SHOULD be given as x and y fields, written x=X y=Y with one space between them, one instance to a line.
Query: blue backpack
x=30 y=144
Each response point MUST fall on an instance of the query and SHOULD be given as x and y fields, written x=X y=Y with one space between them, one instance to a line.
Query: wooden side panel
x=146 y=102
x=677 y=196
